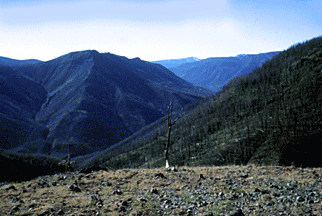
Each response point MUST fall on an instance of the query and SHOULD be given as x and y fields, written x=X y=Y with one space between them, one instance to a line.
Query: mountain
x=90 y=100
x=213 y=73
x=14 y=62
x=271 y=116
x=20 y=100
x=173 y=63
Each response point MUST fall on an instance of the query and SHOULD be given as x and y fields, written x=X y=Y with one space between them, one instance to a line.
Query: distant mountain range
x=89 y=99
x=14 y=62
x=213 y=73
x=173 y=63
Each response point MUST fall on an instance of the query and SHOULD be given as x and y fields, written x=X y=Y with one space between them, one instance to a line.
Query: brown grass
x=137 y=183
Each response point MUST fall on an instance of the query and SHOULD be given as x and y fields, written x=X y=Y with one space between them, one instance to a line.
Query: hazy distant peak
x=241 y=55
x=136 y=59
x=172 y=63
x=15 y=62
x=194 y=58
x=84 y=52
x=265 y=53
x=77 y=55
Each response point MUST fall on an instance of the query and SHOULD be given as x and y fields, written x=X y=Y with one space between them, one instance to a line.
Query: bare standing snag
x=170 y=124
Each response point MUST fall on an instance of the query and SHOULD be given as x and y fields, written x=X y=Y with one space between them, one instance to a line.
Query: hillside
x=20 y=100
x=271 y=116
x=213 y=73
x=90 y=100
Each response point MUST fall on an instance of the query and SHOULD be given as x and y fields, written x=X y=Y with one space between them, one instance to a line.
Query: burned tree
x=170 y=124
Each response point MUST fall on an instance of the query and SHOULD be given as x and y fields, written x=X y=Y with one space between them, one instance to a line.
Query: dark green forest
x=272 y=116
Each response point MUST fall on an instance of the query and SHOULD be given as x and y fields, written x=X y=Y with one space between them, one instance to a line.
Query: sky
x=156 y=29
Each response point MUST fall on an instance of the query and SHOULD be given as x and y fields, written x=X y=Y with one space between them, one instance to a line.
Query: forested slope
x=270 y=116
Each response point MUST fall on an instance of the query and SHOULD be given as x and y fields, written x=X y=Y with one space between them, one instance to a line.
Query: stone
x=142 y=199
x=16 y=199
x=174 y=169
x=159 y=175
x=244 y=176
x=236 y=213
x=154 y=190
x=201 y=176
x=60 y=212
x=8 y=187
x=117 y=192
x=300 y=199
x=15 y=208
x=124 y=203
x=74 y=188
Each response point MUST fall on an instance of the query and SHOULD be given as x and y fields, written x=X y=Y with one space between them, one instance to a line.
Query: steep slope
x=271 y=116
x=95 y=100
x=20 y=100
x=159 y=76
x=213 y=73
x=173 y=63
x=13 y=62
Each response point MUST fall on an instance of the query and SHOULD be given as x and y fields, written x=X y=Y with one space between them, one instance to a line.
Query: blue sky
x=155 y=30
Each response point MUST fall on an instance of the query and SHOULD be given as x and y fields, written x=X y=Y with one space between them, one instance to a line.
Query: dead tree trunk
x=170 y=124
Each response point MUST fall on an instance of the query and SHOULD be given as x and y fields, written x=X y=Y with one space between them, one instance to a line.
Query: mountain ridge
x=14 y=62
x=214 y=72
x=96 y=99
x=172 y=63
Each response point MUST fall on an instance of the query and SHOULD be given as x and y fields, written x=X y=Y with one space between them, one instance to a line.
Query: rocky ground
x=231 y=190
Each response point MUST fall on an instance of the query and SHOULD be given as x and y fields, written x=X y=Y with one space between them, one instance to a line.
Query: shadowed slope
x=20 y=100
x=96 y=100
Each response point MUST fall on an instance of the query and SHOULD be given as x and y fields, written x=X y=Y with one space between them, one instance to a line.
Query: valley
x=270 y=116
x=167 y=107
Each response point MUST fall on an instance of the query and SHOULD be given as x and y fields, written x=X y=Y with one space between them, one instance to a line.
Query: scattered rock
x=74 y=188
x=92 y=169
x=201 y=176
x=46 y=212
x=244 y=176
x=15 y=208
x=142 y=199
x=16 y=199
x=300 y=199
x=60 y=212
x=154 y=190
x=173 y=169
x=315 y=174
x=117 y=192
x=263 y=195
x=236 y=213
x=8 y=187
x=124 y=203
x=159 y=175
x=107 y=184
x=96 y=201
